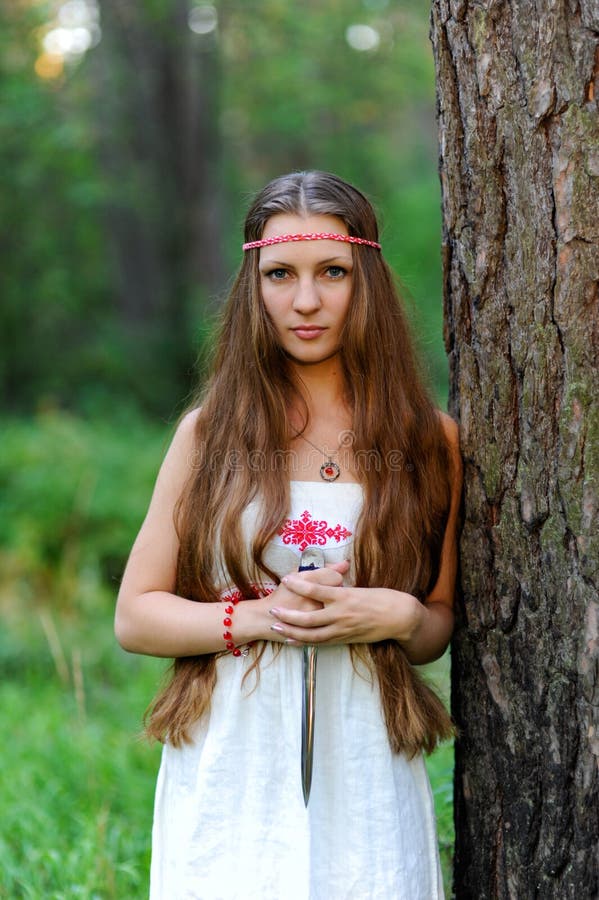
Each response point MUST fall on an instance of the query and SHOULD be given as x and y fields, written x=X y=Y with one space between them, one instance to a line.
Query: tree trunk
x=518 y=118
x=157 y=86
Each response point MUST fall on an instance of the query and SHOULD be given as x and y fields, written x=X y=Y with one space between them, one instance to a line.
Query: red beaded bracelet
x=227 y=622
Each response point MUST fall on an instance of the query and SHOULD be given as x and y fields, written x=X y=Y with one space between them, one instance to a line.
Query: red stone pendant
x=329 y=471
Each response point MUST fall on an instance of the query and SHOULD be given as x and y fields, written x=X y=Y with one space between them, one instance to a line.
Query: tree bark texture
x=517 y=87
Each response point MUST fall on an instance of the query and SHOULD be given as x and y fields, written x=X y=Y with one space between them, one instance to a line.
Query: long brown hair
x=401 y=456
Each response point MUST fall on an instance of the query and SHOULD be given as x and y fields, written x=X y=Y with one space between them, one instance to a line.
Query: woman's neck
x=321 y=385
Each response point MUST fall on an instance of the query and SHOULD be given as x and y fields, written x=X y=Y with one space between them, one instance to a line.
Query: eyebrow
x=289 y=265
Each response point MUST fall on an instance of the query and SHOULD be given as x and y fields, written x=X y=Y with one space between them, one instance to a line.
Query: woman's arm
x=433 y=631
x=366 y=615
x=149 y=617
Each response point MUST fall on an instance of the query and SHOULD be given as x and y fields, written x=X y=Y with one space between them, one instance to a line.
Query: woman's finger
x=329 y=634
x=319 y=618
x=312 y=589
x=332 y=575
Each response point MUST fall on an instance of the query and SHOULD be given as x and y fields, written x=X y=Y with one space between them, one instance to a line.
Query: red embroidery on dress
x=309 y=532
x=257 y=591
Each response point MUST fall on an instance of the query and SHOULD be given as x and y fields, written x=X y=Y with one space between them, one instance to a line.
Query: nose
x=307 y=298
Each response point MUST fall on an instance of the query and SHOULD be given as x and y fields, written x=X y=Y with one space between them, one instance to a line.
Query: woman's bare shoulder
x=452 y=436
x=177 y=464
x=450 y=429
x=185 y=431
x=187 y=424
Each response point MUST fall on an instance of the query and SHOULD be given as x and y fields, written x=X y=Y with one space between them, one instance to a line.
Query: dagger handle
x=312 y=558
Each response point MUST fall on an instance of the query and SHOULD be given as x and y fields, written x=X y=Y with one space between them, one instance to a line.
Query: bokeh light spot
x=67 y=41
x=49 y=66
x=362 y=37
x=76 y=13
x=203 y=19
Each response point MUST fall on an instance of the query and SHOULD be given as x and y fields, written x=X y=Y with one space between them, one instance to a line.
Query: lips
x=308 y=332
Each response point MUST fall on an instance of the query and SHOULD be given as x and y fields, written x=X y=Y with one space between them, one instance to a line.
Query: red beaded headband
x=314 y=236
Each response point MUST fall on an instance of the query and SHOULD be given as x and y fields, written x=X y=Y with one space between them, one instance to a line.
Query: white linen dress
x=229 y=818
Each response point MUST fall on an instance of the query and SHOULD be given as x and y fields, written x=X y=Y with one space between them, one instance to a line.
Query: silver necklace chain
x=329 y=470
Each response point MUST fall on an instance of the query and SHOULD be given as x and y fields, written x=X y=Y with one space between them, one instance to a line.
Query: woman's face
x=306 y=286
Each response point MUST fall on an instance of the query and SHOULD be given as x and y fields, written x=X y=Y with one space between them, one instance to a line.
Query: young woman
x=314 y=431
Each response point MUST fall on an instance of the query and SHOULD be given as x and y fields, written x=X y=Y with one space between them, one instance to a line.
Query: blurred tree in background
x=131 y=138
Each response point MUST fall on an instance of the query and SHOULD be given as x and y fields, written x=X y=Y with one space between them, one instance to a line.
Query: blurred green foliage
x=76 y=780
x=99 y=198
x=72 y=497
x=53 y=284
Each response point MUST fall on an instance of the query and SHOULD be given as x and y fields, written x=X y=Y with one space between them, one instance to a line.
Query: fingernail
x=278 y=627
x=274 y=611
x=284 y=580
x=291 y=641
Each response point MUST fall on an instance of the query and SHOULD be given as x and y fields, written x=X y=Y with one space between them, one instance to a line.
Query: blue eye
x=336 y=271
x=277 y=274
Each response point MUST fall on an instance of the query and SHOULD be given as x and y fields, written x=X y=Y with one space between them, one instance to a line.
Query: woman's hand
x=285 y=599
x=343 y=615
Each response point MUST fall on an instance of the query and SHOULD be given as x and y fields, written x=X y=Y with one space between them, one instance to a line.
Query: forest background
x=132 y=136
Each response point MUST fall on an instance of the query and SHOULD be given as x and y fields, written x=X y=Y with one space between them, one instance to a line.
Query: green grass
x=76 y=779
x=440 y=771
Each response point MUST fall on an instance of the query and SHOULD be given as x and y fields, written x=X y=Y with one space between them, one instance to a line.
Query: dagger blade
x=312 y=558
